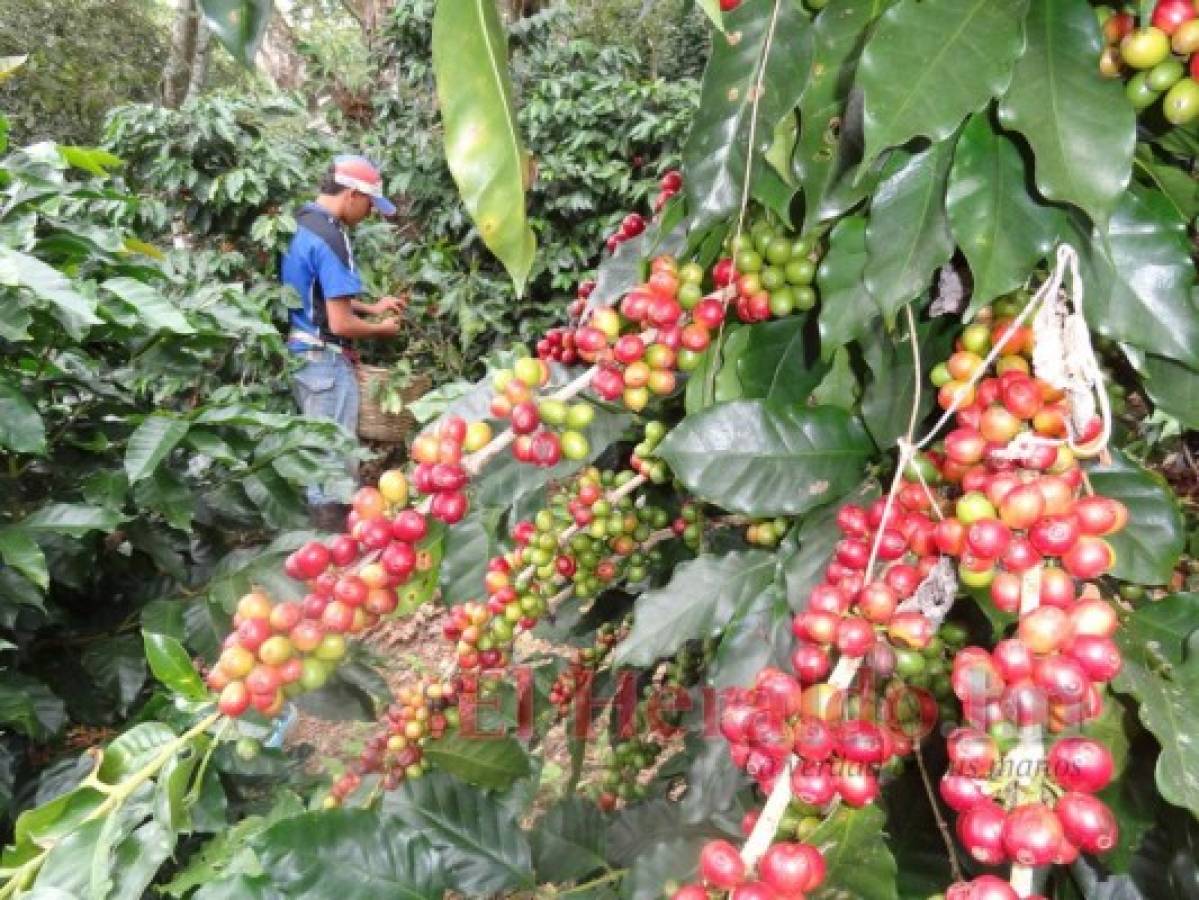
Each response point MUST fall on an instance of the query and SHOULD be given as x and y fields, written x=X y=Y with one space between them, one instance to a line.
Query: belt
x=314 y=344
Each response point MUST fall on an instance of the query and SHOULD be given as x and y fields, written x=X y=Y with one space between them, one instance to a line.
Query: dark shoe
x=330 y=516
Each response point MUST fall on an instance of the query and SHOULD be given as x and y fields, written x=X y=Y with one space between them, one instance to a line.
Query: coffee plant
x=816 y=552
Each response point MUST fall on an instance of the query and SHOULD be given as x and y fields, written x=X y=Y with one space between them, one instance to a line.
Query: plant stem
x=116 y=797
x=950 y=851
x=595 y=882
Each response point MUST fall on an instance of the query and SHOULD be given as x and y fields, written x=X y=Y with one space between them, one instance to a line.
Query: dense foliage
x=870 y=194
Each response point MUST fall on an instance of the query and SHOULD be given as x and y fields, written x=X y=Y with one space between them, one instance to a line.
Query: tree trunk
x=200 y=59
x=278 y=56
x=177 y=73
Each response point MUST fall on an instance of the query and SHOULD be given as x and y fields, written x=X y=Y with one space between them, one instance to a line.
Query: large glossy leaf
x=765 y=57
x=907 y=235
x=828 y=152
x=150 y=443
x=239 y=25
x=351 y=854
x=1002 y=230
x=930 y=64
x=1164 y=683
x=1139 y=275
x=482 y=145
x=888 y=396
x=1149 y=547
x=1173 y=388
x=570 y=841
x=467 y=546
x=855 y=850
x=29 y=707
x=749 y=457
x=701 y=598
x=487 y=762
x=156 y=311
x=780 y=363
x=758 y=636
x=118 y=667
x=846 y=308
x=74 y=519
x=21 y=426
x=1079 y=124
x=133 y=749
x=21 y=552
x=482 y=847
x=75 y=311
x=172 y=665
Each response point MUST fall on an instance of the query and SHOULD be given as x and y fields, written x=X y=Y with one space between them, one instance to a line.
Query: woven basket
x=376 y=425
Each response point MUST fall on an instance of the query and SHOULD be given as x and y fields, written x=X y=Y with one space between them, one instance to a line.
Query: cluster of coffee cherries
x=643 y=461
x=559 y=343
x=766 y=532
x=771 y=271
x=633 y=224
x=586 y=661
x=1161 y=57
x=621 y=766
x=778 y=718
x=278 y=650
x=689 y=525
x=928 y=670
x=534 y=419
x=439 y=473
x=603 y=545
x=421 y=712
x=1016 y=481
x=787 y=870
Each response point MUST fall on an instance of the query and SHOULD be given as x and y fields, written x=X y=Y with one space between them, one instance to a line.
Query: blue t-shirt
x=319 y=265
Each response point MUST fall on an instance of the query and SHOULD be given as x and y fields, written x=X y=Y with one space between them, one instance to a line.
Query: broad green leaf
x=118 y=667
x=1173 y=388
x=1164 y=686
x=93 y=160
x=29 y=707
x=137 y=859
x=1079 y=124
x=74 y=519
x=1149 y=546
x=133 y=749
x=780 y=364
x=701 y=598
x=239 y=25
x=172 y=665
x=758 y=636
x=804 y=557
x=751 y=458
x=156 y=311
x=764 y=57
x=658 y=843
x=829 y=149
x=488 y=762
x=860 y=865
x=75 y=311
x=888 y=395
x=21 y=426
x=481 y=845
x=907 y=234
x=350 y=854
x=846 y=308
x=1003 y=231
x=21 y=552
x=1139 y=276
x=839 y=386
x=705 y=386
x=467 y=546
x=570 y=841
x=150 y=443
x=58 y=817
x=1177 y=185
x=482 y=145
x=930 y=64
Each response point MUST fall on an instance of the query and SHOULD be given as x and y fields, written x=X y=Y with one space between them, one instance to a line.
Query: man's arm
x=380 y=307
x=344 y=322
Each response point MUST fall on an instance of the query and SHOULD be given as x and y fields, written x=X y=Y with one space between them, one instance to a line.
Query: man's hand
x=387 y=328
x=386 y=305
